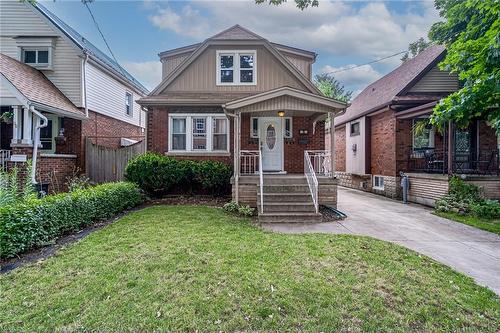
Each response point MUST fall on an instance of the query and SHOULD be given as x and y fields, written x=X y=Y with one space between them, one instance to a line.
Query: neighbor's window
x=236 y=67
x=129 y=105
x=355 y=129
x=207 y=132
x=36 y=57
x=378 y=182
x=423 y=134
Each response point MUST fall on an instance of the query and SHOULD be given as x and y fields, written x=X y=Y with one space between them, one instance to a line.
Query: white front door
x=271 y=143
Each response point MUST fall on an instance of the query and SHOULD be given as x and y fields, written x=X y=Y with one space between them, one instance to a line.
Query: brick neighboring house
x=376 y=139
x=52 y=75
x=242 y=100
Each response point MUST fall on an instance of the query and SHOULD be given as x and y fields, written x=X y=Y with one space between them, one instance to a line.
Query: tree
x=332 y=88
x=301 y=4
x=415 y=48
x=471 y=34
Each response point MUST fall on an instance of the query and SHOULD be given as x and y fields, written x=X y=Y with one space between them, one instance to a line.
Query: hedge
x=158 y=175
x=37 y=222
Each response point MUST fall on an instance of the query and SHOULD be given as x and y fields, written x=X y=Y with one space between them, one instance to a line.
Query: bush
x=234 y=208
x=158 y=175
x=36 y=222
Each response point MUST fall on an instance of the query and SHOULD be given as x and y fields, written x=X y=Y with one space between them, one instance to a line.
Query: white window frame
x=375 y=187
x=431 y=134
x=252 y=134
x=189 y=132
x=291 y=128
x=236 y=67
x=47 y=65
x=193 y=133
x=131 y=113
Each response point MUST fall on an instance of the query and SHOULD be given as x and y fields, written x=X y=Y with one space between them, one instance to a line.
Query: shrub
x=234 y=208
x=36 y=222
x=157 y=175
x=488 y=209
x=11 y=188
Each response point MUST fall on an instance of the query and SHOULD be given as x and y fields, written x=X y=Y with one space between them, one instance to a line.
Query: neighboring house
x=378 y=136
x=238 y=82
x=51 y=75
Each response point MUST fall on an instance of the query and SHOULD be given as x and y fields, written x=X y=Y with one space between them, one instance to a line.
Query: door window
x=270 y=137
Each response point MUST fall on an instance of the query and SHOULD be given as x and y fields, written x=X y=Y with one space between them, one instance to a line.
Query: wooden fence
x=105 y=164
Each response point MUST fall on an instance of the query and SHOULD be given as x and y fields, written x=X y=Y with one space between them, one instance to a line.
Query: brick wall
x=340 y=148
x=487 y=136
x=383 y=145
x=56 y=171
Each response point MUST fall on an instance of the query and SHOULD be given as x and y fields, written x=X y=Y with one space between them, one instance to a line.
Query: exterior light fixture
x=281 y=113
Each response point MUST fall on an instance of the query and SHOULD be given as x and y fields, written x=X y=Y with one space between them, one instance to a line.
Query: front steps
x=287 y=199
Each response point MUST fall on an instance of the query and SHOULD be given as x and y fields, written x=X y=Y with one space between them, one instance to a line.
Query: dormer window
x=236 y=67
x=36 y=57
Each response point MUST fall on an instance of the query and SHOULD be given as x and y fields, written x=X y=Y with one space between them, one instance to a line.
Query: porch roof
x=32 y=87
x=285 y=99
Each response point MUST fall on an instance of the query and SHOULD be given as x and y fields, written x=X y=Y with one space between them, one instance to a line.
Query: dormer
x=36 y=51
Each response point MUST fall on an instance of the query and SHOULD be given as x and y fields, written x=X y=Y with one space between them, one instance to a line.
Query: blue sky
x=343 y=33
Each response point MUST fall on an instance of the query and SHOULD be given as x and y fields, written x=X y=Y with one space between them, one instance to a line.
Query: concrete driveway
x=468 y=250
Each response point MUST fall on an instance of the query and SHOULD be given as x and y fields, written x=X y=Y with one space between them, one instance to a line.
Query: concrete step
x=285 y=180
x=291 y=207
x=286 y=197
x=281 y=188
x=290 y=218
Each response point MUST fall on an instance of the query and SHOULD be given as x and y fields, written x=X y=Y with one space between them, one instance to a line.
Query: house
x=386 y=131
x=242 y=100
x=56 y=83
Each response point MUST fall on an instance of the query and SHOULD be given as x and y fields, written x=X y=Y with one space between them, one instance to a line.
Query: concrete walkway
x=466 y=249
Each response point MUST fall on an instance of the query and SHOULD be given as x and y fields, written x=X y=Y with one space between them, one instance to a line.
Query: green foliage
x=471 y=33
x=332 y=88
x=242 y=210
x=467 y=199
x=158 y=175
x=35 y=222
x=11 y=188
x=301 y=4
x=78 y=182
x=415 y=48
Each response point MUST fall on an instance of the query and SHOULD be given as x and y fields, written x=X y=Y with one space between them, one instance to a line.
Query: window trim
x=55 y=132
x=189 y=133
x=47 y=65
x=236 y=67
x=131 y=114
x=432 y=134
x=378 y=187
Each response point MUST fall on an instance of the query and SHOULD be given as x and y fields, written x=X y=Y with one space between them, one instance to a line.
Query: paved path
x=466 y=249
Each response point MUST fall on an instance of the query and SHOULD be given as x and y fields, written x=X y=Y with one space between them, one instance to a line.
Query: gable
x=200 y=75
x=436 y=81
x=236 y=32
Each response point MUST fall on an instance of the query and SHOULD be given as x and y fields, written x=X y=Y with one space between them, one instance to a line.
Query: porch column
x=16 y=124
x=332 y=144
x=236 y=133
x=27 y=127
x=450 y=147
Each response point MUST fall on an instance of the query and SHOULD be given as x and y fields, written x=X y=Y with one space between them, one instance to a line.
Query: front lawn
x=491 y=225
x=187 y=268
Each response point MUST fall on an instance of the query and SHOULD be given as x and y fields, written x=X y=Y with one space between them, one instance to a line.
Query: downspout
x=37 y=139
x=84 y=71
x=235 y=158
x=145 y=126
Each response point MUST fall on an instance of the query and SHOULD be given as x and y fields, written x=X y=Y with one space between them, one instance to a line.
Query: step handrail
x=261 y=182
x=312 y=180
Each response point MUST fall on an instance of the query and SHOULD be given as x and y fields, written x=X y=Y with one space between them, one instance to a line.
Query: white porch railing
x=249 y=162
x=320 y=161
x=4 y=158
x=312 y=180
x=261 y=183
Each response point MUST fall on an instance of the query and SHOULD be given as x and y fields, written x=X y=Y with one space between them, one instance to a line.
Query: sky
x=342 y=33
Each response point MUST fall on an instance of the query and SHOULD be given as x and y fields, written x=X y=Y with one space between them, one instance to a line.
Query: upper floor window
x=236 y=67
x=129 y=104
x=37 y=57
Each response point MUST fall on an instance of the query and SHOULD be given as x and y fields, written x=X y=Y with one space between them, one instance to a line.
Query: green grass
x=491 y=225
x=186 y=268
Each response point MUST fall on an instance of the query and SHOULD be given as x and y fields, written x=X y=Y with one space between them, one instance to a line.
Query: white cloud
x=355 y=78
x=148 y=72
x=186 y=22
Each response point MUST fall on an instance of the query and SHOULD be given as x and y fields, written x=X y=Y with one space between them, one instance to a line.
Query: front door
x=271 y=143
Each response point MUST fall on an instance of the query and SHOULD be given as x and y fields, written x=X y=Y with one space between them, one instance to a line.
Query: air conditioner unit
x=363 y=185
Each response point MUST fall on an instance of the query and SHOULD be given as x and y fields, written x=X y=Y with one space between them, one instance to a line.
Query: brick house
x=56 y=83
x=242 y=100
x=379 y=136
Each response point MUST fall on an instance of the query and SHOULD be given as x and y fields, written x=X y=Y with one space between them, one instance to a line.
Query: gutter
x=37 y=139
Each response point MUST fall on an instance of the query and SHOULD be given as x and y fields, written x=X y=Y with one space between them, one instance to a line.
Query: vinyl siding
x=436 y=80
x=171 y=63
x=106 y=95
x=302 y=64
x=201 y=74
x=17 y=19
x=286 y=103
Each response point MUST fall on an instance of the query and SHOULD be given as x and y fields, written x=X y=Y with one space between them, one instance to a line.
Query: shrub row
x=158 y=175
x=37 y=222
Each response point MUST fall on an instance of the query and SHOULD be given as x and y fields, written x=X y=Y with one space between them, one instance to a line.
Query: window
x=206 y=133
x=236 y=67
x=36 y=57
x=49 y=133
x=254 y=127
x=378 y=182
x=129 y=104
x=423 y=134
x=288 y=128
x=179 y=134
x=355 y=129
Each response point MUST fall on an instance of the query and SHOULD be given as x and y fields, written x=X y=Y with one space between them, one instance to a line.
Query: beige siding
x=285 y=103
x=201 y=74
x=17 y=19
x=301 y=63
x=436 y=80
x=106 y=95
x=171 y=63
